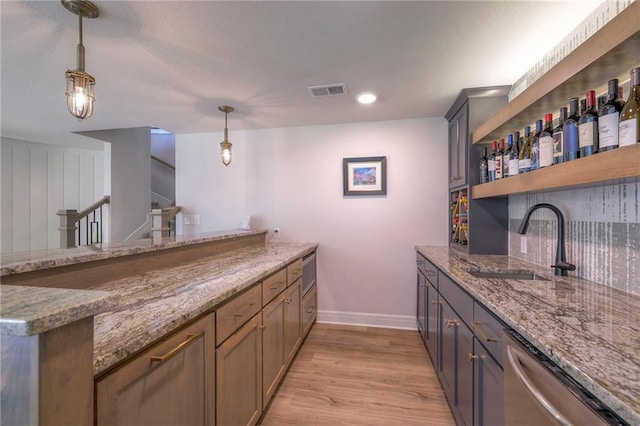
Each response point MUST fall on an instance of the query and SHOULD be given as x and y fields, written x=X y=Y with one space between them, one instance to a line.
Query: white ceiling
x=170 y=64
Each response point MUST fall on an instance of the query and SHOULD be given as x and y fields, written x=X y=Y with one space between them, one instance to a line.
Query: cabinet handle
x=435 y=302
x=274 y=288
x=451 y=323
x=311 y=309
x=262 y=327
x=237 y=315
x=287 y=300
x=477 y=327
x=420 y=262
x=471 y=356
x=172 y=352
x=431 y=273
x=295 y=271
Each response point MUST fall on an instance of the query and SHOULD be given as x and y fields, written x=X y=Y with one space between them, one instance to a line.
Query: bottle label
x=571 y=137
x=628 y=132
x=546 y=151
x=492 y=165
x=498 y=166
x=608 y=130
x=524 y=164
x=513 y=166
x=535 y=159
x=558 y=147
x=586 y=132
x=505 y=166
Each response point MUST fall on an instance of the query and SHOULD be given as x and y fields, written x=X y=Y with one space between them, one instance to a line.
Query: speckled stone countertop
x=150 y=305
x=589 y=330
x=15 y=263
x=26 y=311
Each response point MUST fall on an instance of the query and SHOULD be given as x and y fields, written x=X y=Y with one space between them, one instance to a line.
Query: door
x=488 y=388
x=239 y=376
x=464 y=371
x=448 y=345
x=170 y=383
x=422 y=306
x=458 y=141
x=273 y=357
x=292 y=320
x=432 y=305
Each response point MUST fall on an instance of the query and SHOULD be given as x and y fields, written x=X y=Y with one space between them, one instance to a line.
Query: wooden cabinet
x=458 y=135
x=172 y=382
x=239 y=376
x=237 y=311
x=273 y=355
x=309 y=309
x=464 y=341
x=294 y=271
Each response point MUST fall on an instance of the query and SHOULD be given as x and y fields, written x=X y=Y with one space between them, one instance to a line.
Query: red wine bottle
x=558 y=138
x=608 y=118
x=570 y=134
x=499 y=159
x=483 y=167
x=535 y=146
x=629 y=129
x=588 y=127
x=545 y=142
x=514 y=155
x=491 y=161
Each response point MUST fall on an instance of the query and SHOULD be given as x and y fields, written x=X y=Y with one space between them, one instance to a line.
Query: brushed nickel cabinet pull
x=262 y=327
x=172 y=352
x=471 y=356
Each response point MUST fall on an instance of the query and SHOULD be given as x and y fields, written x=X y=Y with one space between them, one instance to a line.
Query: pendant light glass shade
x=225 y=145
x=80 y=84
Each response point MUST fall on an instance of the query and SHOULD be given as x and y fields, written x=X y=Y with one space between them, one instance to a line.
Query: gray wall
x=603 y=232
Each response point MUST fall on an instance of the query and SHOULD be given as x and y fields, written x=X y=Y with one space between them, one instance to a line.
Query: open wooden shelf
x=610 y=53
x=606 y=167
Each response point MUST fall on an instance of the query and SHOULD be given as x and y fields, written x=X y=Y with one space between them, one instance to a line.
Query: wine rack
x=460 y=216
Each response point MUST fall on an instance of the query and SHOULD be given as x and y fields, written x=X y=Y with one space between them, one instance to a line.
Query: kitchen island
x=127 y=312
x=591 y=331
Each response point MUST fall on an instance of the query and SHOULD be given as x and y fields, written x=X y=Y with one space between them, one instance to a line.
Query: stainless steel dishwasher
x=537 y=392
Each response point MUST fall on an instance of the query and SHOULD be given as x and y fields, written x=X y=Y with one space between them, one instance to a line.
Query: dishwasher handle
x=549 y=408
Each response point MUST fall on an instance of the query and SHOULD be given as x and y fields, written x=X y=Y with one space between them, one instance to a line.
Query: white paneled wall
x=37 y=181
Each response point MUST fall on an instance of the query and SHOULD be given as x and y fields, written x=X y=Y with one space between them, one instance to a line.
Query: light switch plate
x=523 y=244
x=192 y=219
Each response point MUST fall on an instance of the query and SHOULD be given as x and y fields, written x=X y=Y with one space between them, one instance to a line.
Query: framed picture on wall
x=364 y=176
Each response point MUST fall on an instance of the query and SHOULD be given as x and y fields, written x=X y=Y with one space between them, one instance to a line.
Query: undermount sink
x=508 y=275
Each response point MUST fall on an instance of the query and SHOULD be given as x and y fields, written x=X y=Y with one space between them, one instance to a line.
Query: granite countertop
x=27 y=311
x=150 y=305
x=15 y=263
x=591 y=331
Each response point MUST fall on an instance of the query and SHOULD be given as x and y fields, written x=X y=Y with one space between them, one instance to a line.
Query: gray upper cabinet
x=458 y=141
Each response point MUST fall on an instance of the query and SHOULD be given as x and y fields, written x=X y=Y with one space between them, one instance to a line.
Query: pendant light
x=80 y=84
x=225 y=145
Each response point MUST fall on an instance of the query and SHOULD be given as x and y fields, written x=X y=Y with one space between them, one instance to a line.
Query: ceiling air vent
x=327 y=90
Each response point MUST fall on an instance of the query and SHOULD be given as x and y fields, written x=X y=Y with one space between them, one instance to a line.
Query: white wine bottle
x=629 y=126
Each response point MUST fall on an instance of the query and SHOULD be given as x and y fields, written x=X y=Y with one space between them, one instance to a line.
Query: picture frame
x=364 y=176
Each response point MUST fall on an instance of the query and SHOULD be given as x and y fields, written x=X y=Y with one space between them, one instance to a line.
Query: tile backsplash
x=602 y=232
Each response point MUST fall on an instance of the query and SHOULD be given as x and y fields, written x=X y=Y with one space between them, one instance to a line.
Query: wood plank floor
x=345 y=375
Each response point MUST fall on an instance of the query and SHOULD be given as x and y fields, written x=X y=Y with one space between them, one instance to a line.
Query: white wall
x=37 y=181
x=130 y=159
x=292 y=178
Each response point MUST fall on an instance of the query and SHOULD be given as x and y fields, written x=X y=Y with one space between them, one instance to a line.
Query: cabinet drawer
x=488 y=330
x=273 y=286
x=309 y=309
x=294 y=271
x=428 y=269
x=237 y=311
x=459 y=300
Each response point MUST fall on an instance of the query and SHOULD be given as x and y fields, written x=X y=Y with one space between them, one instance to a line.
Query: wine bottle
x=524 y=158
x=514 y=155
x=483 y=167
x=558 y=138
x=491 y=161
x=535 y=146
x=570 y=134
x=629 y=129
x=602 y=99
x=583 y=106
x=499 y=159
x=588 y=127
x=506 y=154
x=545 y=142
x=608 y=118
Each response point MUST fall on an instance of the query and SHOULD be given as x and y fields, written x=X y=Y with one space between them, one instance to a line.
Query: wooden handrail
x=102 y=201
x=164 y=163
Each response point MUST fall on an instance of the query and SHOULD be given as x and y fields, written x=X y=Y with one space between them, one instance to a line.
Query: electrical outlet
x=192 y=219
x=523 y=244
x=276 y=233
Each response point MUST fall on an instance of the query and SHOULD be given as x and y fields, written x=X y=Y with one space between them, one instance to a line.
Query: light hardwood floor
x=360 y=376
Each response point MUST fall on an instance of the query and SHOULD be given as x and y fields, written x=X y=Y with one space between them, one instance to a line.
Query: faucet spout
x=561 y=265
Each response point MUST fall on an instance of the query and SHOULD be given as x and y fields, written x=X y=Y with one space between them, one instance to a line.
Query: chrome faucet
x=561 y=266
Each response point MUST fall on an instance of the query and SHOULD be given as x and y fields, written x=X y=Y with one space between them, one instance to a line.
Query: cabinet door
x=448 y=352
x=458 y=141
x=432 y=305
x=239 y=381
x=170 y=383
x=309 y=309
x=292 y=320
x=273 y=359
x=422 y=306
x=464 y=373
x=488 y=389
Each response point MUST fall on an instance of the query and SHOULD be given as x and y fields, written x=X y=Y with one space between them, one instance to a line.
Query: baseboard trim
x=403 y=322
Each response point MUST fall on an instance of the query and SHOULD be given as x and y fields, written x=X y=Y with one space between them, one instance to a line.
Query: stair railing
x=72 y=230
x=161 y=222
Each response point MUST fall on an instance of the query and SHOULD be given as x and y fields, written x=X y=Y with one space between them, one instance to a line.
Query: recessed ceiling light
x=366 y=98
